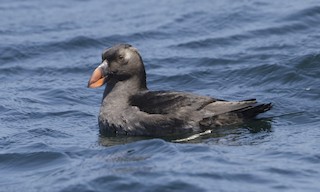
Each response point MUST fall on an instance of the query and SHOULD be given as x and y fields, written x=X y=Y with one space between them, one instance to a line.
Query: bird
x=128 y=107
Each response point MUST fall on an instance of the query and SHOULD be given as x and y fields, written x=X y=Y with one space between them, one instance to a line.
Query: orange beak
x=98 y=78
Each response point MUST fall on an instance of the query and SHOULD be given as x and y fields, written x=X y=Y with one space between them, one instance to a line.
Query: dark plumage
x=129 y=108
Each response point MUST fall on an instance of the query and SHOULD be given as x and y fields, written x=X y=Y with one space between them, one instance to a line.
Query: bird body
x=129 y=108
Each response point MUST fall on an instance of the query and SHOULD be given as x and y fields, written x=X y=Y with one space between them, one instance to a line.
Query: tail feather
x=228 y=113
x=252 y=111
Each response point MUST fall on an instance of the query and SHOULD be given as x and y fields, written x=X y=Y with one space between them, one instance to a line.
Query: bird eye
x=120 y=57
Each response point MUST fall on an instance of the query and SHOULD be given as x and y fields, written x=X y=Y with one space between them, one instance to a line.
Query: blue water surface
x=49 y=135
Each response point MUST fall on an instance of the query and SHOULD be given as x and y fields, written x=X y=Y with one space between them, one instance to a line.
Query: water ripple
x=30 y=161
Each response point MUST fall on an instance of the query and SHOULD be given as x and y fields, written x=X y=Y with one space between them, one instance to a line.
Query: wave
x=14 y=53
x=308 y=15
x=31 y=161
x=231 y=40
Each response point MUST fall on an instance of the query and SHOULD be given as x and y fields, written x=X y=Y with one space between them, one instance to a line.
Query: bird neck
x=123 y=90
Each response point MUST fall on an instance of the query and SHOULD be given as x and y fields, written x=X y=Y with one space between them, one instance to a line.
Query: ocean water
x=269 y=50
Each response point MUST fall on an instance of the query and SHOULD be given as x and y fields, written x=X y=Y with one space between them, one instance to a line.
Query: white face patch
x=130 y=52
x=128 y=55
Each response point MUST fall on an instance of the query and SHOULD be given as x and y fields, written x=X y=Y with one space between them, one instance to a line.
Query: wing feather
x=167 y=102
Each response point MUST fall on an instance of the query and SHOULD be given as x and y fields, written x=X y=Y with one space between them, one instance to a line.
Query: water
x=49 y=138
